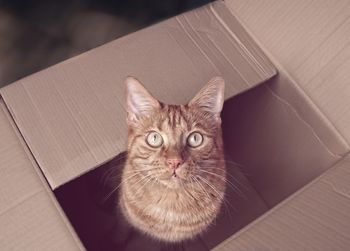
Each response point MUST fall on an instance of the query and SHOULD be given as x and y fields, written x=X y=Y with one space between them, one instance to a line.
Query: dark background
x=35 y=34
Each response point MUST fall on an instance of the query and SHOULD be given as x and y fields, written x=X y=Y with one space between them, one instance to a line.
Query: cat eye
x=154 y=139
x=195 y=139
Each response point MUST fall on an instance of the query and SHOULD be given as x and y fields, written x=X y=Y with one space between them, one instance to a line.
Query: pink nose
x=174 y=163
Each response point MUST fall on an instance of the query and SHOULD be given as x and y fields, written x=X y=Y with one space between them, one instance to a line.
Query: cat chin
x=174 y=182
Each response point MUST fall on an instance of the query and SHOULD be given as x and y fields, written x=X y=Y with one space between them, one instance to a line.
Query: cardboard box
x=287 y=137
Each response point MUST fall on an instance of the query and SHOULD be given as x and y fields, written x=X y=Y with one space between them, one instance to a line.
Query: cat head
x=175 y=144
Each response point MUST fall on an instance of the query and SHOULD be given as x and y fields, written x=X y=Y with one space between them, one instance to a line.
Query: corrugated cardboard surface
x=30 y=218
x=315 y=218
x=278 y=150
x=72 y=115
x=310 y=40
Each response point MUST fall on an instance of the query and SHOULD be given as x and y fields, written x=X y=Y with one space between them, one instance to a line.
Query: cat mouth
x=173 y=177
x=173 y=181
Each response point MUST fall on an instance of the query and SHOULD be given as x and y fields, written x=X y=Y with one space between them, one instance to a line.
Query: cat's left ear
x=211 y=97
x=139 y=101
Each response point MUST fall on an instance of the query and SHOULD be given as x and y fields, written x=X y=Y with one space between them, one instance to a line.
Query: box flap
x=315 y=218
x=30 y=218
x=310 y=40
x=72 y=115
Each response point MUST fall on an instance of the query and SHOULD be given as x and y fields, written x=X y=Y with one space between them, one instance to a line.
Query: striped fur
x=154 y=203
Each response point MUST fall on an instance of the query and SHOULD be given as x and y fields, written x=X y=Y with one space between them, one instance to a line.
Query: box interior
x=271 y=152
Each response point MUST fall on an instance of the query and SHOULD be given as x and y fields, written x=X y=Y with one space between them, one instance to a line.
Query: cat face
x=175 y=145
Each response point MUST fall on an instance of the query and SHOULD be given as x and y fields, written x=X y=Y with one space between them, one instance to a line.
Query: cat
x=173 y=181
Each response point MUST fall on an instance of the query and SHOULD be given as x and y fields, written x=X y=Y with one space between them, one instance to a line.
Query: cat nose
x=174 y=163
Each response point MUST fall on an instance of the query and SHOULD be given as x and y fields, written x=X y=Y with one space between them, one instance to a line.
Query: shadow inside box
x=90 y=203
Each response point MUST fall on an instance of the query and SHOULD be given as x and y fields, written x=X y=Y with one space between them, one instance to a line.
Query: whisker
x=234 y=187
x=244 y=172
x=233 y=162
x=116 y=188
x=205 y=192
x=106 y=176
x=111 y=172
x=207 y=182
x=230 y=175
x=189 y=193
x=120 y=158
x=213 y=188
x=220 y=176
x=147 y=178
x=236 y=180
x=132 y=172
x=201 y=187
x=142 y=170
x=228 y=163
x=142 y=164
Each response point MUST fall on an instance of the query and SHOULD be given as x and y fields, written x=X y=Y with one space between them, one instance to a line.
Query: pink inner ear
x=139 y=102
x=131 y=118
x=211 y=97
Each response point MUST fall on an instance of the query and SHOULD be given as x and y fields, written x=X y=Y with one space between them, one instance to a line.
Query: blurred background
x=35 y=34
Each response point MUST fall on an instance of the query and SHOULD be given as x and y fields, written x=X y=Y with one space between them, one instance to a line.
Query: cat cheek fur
x=164 y=210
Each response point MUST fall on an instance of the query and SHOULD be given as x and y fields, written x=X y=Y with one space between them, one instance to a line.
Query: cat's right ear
x=139 y=102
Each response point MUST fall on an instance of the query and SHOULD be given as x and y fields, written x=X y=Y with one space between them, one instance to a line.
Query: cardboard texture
x=309 y=42
x=306 y=40
x=277 y=149
x=315 y=218
x=30 y=218
x=72 y=115
x=290 y=130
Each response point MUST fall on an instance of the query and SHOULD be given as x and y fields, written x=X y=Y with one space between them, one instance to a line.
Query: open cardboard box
x=286 y=136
